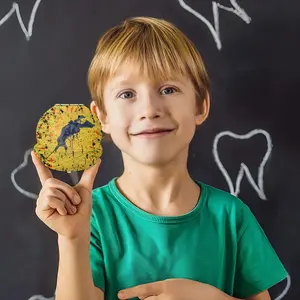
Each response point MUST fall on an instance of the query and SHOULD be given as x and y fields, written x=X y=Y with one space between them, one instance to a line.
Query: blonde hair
x=158 y=47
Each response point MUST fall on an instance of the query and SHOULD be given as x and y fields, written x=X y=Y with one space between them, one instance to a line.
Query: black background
x=255 y=85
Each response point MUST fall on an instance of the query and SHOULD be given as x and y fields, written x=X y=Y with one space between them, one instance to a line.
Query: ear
x=102 y=116
x=203 y=111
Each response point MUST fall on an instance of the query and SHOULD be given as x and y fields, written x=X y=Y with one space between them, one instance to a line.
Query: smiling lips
x=153 y=132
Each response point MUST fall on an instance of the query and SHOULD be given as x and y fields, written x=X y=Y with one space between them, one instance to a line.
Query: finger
x=143 y=291
x=89 y=175
x=43 y=172
x=52 y=203
x=69 y=191
x=71 y=209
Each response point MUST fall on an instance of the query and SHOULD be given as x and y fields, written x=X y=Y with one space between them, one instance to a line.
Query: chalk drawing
x=244 y=170
x=40 y=297
x=16 y=9
x=285 y=291
x=215 y=29
x=16 y=170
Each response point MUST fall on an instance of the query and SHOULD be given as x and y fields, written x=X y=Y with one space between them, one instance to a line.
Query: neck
x=166 y=189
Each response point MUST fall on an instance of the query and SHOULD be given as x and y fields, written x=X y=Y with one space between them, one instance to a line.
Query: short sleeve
x=258 y=267
x=96 y=255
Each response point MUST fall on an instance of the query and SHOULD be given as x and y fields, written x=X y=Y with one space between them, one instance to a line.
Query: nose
x=150 y=106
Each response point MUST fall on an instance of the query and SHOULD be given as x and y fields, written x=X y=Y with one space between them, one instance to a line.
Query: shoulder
x=216 y=198
x=226 y=208
x=104 y=201
x=101 y=194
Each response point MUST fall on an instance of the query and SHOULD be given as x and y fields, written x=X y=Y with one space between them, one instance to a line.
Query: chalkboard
x=249 y=146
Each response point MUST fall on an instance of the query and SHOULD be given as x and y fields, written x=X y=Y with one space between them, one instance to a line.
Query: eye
x=126 y=94
x=168 y=90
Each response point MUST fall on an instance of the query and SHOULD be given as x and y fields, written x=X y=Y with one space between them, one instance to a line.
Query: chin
x=157 y=154
x=160 y=158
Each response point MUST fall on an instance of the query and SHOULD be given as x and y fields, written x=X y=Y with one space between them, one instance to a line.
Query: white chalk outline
x=16 y=9
x=285 y=291
x=215 y=30
x=16 y=170
x=259 y=188
x=41 y=297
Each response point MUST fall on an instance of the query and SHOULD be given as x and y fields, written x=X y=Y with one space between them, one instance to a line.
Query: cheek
x=119 y=120
x=185 y=117
x=188 y=126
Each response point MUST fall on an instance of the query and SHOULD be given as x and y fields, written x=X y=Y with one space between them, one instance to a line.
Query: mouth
x=154 y=132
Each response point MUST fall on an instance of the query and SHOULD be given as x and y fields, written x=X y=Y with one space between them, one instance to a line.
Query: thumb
x=88 y=176
x=43 y=172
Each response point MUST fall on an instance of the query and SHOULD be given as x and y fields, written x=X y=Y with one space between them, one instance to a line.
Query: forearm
x=74 y=279
x=217 y=294
x=224 y=296
x=260 y=296
x=227 y=297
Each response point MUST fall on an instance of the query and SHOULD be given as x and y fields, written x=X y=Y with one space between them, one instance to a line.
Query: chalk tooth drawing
x=16 y=170
x=244 y=170
x=259 y=187
x=16 y=9
x=40 y=297
x=74 y=176
x=215 y=29
x=285 y=291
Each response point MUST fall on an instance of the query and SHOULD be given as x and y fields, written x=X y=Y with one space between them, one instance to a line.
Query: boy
x=153 y=232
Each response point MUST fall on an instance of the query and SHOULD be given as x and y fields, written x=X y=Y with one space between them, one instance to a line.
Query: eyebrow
x=119 y=83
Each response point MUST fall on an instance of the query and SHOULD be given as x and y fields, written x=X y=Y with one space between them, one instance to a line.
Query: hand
x=173 y=289
x=65 y=209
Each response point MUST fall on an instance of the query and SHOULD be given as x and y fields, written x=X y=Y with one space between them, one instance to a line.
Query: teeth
x=244 y=170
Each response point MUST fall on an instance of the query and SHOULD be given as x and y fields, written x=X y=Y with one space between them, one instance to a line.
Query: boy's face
x=151 y=123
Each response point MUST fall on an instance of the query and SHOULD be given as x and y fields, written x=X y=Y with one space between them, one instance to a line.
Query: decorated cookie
x=68 y=138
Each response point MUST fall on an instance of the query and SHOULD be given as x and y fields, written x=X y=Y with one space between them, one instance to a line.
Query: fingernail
x=73 y=209
x=120 y=295
x=77 y=199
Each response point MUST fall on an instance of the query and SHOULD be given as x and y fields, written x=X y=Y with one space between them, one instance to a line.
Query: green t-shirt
x=219 y=242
